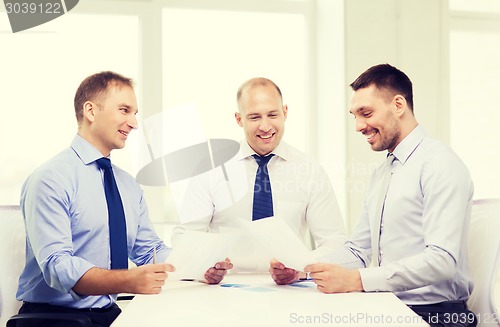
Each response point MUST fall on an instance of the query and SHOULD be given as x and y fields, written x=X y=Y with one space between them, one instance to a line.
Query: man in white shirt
x=415 y=218
x=302 y=195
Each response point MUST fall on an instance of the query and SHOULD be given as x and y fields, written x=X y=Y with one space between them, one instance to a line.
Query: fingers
x=160 y=271
x=224 y=265
x=316 y=267
x=215 y=274
x=276 y=264
x=149 y=279
x=319 y=271
x=159 y=274
x=163 y=267
x=288 y=277
x=281 y=274
x=160 y=267
x=323 y=289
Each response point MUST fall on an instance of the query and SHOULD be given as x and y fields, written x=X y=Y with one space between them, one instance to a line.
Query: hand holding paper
x=281 y=274
x=279 y=242
x=215 y=274
x=196 y=252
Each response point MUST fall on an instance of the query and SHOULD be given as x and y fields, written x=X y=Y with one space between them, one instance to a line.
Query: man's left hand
x=215 y=274
x=332 y=278
x=281 y=274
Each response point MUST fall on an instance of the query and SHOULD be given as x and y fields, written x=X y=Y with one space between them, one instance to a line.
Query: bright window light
x=41 y=70
x=474 y=84
x=207 y=54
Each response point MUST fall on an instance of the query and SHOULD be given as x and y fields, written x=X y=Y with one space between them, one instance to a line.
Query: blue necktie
x=116 y=218
x=262 y=195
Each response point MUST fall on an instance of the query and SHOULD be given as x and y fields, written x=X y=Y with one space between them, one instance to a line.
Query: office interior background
x=197 y=53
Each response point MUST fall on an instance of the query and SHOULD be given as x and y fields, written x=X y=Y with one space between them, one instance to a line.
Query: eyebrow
x=359 y=110
x=275 y=111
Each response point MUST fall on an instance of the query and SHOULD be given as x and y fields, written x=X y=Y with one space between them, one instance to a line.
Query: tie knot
x=104 y=163
x=390 y=159
x=262 y=161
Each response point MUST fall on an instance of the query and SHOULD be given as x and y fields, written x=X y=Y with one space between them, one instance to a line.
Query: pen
x=306 y=279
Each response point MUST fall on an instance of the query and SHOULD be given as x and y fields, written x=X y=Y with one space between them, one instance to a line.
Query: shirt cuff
x=162 y=255
x=70 y=273
x=375 y=279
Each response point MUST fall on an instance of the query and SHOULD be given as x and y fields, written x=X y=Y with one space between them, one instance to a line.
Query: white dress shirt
x=424 y=228
x=302 y=197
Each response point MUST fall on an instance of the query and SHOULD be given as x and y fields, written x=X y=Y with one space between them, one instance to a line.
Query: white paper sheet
x=195 y=252
x=277 y=240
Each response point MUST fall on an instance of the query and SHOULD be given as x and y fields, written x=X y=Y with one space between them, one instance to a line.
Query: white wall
x=413 y=36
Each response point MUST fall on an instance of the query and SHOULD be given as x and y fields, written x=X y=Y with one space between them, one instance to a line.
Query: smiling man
x=86 y=217
x=266 y=178
x=415 y=217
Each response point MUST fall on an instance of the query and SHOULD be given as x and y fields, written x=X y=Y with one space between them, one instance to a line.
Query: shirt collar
x=246 y=151
x=409 y=144
x=84 y=150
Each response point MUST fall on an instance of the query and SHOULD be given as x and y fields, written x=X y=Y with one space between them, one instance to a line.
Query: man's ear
x=285 y=111
x=400 y=103
x=237 y=116
x=89 y=111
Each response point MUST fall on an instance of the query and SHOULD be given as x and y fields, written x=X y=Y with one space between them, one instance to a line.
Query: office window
x=474 y=85
x=475 y=6
x=41 y=70
x=207 y=54
x=202 y=51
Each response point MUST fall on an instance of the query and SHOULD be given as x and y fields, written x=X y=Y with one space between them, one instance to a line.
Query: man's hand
x=281 y=274
x=149 y=279
x=332 y=278
x=146 y=279
x=215 y=274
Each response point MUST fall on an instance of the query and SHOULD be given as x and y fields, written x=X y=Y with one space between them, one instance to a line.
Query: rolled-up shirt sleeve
x=48 y=229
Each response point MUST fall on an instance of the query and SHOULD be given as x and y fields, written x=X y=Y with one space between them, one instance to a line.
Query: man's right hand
x=149 y=279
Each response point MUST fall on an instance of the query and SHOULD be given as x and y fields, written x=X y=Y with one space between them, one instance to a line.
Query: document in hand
x=195 y=252
x=279 y=242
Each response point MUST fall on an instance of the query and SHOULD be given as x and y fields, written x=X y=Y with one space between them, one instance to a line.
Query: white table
x=255 y=300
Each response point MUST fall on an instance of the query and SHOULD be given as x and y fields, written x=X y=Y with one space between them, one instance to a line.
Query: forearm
x=431 y=266
x=98 y=281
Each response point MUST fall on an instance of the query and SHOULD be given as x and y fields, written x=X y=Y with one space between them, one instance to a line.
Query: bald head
x=253 y=83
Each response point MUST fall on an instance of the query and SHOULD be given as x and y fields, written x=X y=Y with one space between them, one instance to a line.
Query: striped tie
x=384 y=187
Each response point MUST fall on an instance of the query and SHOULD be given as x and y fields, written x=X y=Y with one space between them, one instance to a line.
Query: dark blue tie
x=116 y=218
x=262 y=195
